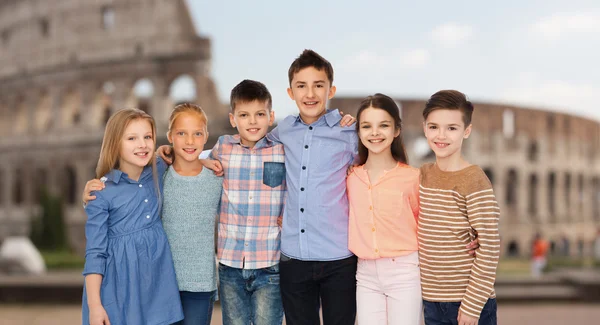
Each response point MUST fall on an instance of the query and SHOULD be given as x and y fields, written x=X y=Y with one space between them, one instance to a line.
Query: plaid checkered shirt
x=252 y=200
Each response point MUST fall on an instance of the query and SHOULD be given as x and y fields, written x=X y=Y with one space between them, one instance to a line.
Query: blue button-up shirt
x=317 y=155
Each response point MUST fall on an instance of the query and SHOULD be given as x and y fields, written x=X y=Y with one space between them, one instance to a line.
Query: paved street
x=527 y=314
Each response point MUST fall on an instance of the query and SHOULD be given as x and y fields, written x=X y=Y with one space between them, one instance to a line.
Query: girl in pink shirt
x=384 y=206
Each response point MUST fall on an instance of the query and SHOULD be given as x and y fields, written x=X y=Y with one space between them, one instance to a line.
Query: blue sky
x=541 y=53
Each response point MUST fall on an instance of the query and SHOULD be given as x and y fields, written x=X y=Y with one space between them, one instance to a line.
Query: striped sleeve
x=483 y=215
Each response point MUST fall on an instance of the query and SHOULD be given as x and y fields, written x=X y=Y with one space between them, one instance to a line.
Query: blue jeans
x=197 y=307
x=250 y=296
x=446 y=313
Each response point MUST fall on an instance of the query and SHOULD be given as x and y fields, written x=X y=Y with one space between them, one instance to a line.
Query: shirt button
x=310 y=127
x=246 y=244
x=306 y=147
x=140 y=185
x=302 y=189
x=373 y=229
x=376 y=250
x=249 y=198
x=301 y=209
x=302 y=230
x=370 y=207
x=303 y=168
x=147 y=217
x=369 y=186
x=146 y=200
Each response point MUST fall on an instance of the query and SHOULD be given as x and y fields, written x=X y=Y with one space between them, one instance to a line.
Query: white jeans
x=388 y=291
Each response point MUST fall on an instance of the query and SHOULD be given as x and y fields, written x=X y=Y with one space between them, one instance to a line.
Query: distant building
x=544 y=166
x=65 y=67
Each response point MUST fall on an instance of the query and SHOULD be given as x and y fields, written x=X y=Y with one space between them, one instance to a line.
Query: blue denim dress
x=127 y=244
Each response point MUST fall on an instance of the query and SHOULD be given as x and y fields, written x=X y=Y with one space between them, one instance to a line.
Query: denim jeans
x=307 y=285
x=250 y=296
x=446 y=313
x=197 y=307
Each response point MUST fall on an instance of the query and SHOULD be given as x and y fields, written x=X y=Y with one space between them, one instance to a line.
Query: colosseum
x=544 y=167
x=65 y=67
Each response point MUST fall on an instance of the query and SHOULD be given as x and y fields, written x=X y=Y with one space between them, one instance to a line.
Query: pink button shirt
x=383 y=214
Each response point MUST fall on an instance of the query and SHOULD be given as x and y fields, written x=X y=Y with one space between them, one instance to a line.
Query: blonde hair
x=113 y=136
x=187 y=108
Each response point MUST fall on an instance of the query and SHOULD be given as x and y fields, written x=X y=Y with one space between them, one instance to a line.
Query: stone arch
x=580 y=194
x=532 y=197
x=141 y=95
x=22 y=122
x=533 y=151
x=102 y=106
x=40 y=182
x=512 y=183
x=183 y=89
x=508 y=123
x=71 y=108
x=552 y=196
x=69 y=189
x=2 y=180
x=18 y=196
x=595 y=199
x=43 y=112
x=512 y=249
x=567 y=190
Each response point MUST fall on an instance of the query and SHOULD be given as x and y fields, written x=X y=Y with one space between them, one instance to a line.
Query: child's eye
x=180 y=133
x=385 y=126
x=198 y=134
x=432 y=127
x=261 y=114
x=452 y=128
x=300 y=86
x=243 y=115
x=148 y=137
x=319 y=86
x=365 y=126
x=131 y=138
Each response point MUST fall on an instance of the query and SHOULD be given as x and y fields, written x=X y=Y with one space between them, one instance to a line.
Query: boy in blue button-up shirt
x=316 y=266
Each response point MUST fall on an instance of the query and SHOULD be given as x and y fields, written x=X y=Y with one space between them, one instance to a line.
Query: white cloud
x=555 y=94
x=452 y=34
x=557 y=26
x=390 y=60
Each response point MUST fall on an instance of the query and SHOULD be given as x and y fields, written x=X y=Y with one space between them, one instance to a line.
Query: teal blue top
x=190 y=206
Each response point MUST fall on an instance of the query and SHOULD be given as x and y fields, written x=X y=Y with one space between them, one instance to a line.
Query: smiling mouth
x=253 y=130
x=141 y=154
x=441 y=144
x=189 y=151
x=376 y=141
x=310 y=103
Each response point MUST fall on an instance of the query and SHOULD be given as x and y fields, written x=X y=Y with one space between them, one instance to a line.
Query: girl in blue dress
x=129 y=273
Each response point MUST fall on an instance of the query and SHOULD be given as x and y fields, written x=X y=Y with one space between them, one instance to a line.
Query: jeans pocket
x=273 y=173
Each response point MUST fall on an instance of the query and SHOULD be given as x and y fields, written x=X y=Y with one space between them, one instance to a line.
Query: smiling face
x=188 y=135
x=311 y=89
x=377 y=130
x=252 y=121
x=445 y=131
x=137 y=147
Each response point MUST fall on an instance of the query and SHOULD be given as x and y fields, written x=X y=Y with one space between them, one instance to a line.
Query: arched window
x=533 y=184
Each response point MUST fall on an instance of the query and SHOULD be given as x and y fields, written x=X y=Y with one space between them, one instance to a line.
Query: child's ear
x=271 y=118
x=468 y=131
x=169 y=137
x=290 y=93
x=232 y=120
x=332 y=91
x=425 y=129
x=206 y=135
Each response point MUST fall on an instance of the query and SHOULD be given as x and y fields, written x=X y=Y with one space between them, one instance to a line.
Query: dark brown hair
x=381 y=101
x=450 y=99
x=310 y=58
x=248 y=91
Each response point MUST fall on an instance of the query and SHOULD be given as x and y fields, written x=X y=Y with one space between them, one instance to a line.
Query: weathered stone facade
x=544 y=166
x=65 y=67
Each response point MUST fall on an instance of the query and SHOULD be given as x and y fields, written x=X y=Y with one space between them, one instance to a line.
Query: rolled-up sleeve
x=96 y=234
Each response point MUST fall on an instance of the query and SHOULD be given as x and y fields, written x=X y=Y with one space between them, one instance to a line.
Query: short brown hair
x=310 y=58
x=452 y=100
x=248 y=91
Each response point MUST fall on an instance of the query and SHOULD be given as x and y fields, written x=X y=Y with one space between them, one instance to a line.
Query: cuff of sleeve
x=94 y=265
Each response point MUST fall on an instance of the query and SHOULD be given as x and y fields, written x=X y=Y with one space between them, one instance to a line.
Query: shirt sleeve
x=414 y=199
x=483 y=214
x=274 y=135
x=214 y=153
x=96 y=234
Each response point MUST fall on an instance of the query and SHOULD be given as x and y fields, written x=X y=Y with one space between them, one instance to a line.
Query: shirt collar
x=116 y=175
x=262 y=143
x=332 y=117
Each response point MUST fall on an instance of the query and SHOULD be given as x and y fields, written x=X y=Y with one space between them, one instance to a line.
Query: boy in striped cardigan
x=457 y=203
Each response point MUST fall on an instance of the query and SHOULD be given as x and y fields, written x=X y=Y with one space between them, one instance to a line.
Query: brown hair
x=186 y=108
x=248 y=91
x=452 y=100
x=381 y=101
x=310 y=58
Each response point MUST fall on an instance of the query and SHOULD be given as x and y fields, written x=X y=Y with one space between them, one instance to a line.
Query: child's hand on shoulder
x=93 y=185
x=164 y=152
x=347 y=120
x=213 y=165
x=350 y=169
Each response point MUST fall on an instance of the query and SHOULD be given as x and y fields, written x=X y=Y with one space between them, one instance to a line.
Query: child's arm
x=164 y=152
x=483 y=214
x=91 y=186
x=96 y=234
x=213 y=162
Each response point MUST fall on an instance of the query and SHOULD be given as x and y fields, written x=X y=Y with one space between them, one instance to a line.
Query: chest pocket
x=273 y=173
